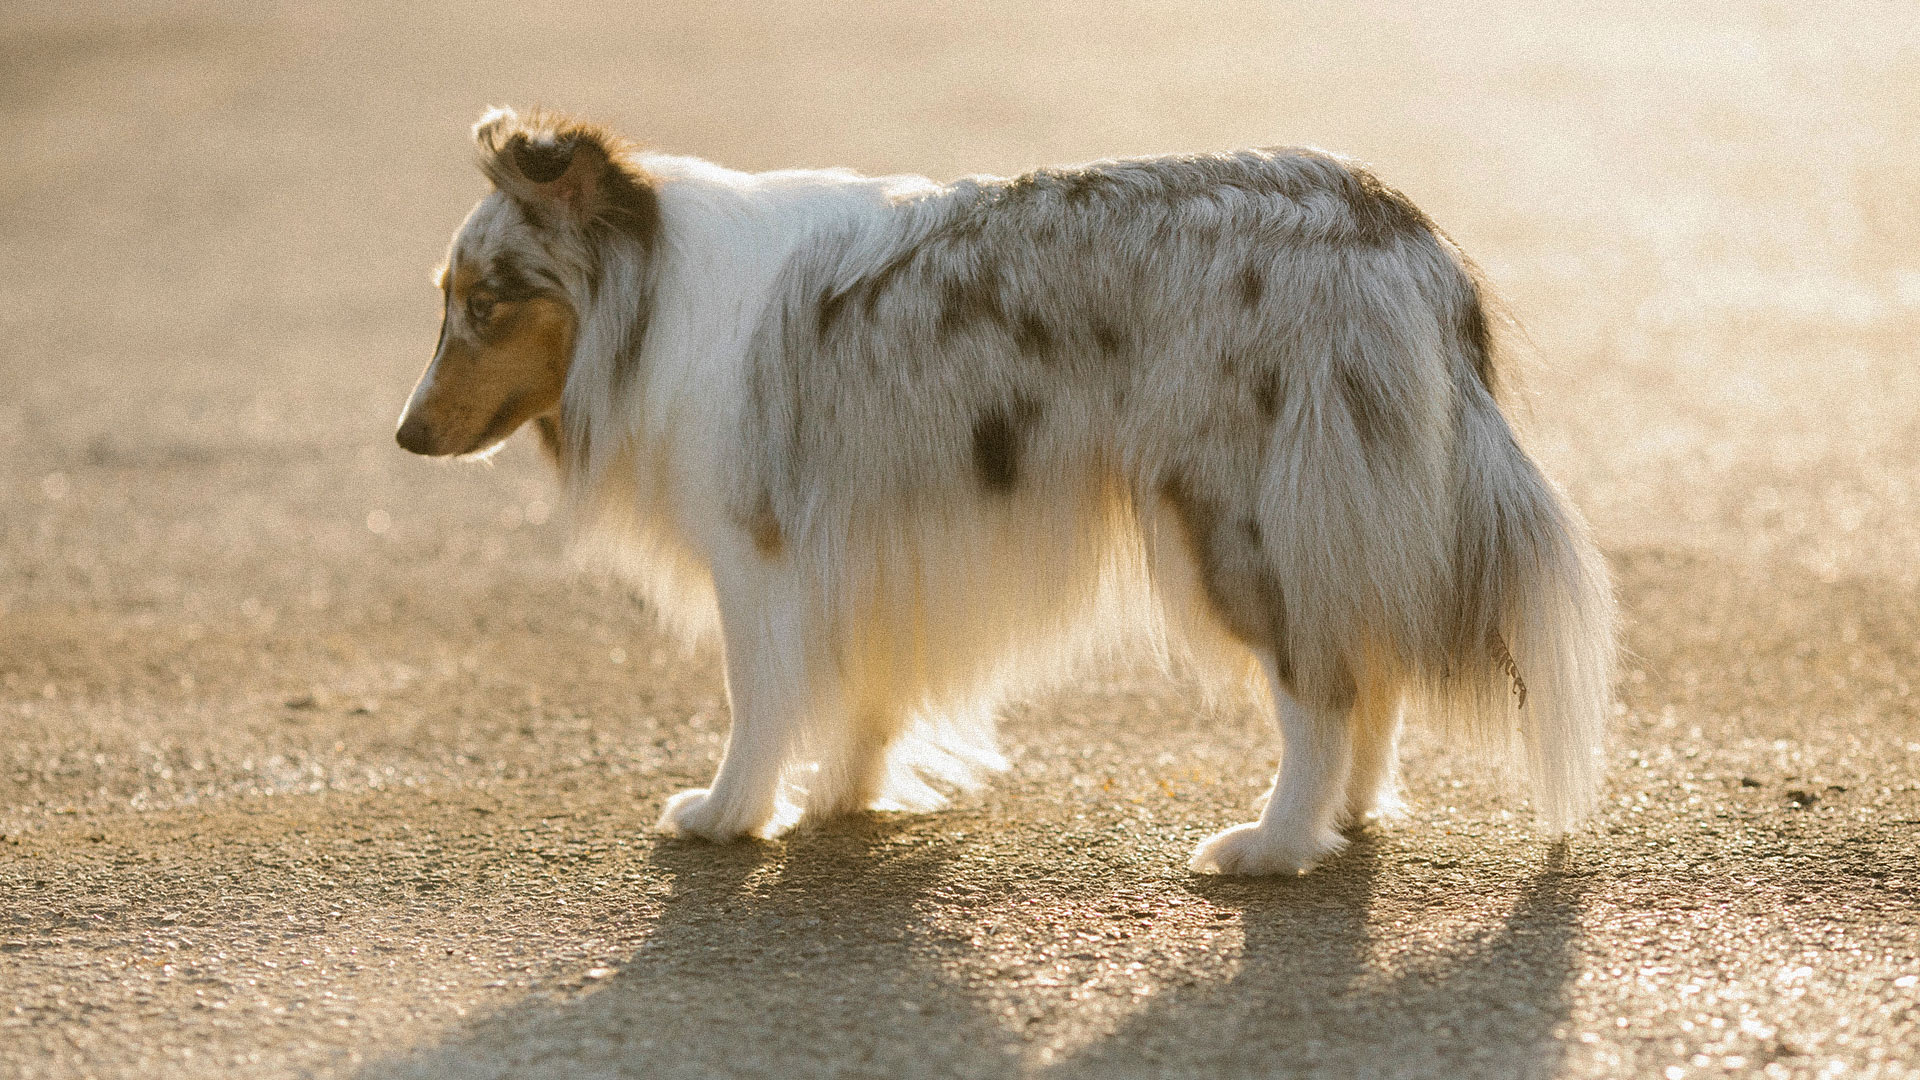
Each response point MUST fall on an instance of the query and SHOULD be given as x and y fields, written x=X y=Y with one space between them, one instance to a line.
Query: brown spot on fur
x=971 y=299
x=998 y=435
x=1034 y=338
x=1197 y=518
x=1107 y=336
x=764 y=526
x=1375 y=421
x=996 y=451
x=1266 y=393
x=1253 y=286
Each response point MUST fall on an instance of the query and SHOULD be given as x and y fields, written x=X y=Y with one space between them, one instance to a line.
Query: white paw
x=1252 y=850
x=692 y=813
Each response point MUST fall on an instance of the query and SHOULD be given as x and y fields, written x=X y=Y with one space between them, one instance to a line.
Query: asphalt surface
x=317 y=759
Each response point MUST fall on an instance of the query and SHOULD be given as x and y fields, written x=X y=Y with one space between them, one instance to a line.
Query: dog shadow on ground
x=794 y=959
x=819 y=958
x=1329 y=984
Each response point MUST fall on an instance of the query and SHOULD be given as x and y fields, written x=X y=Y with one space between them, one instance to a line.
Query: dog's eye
x=480 y=308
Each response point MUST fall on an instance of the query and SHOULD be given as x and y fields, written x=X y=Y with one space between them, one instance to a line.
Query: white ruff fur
x=888 y=548
x=653 y=494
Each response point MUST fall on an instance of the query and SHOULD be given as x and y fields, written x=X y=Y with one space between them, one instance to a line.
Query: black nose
x=414 y=435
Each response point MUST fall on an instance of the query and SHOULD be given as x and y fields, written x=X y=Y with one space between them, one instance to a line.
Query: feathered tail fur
x=1534 y=650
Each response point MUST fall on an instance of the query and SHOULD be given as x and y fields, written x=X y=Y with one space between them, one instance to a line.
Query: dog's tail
x=1410 y=538
x=1530 y=650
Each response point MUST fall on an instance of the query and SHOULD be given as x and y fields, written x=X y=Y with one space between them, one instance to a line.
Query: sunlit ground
x=318 y=759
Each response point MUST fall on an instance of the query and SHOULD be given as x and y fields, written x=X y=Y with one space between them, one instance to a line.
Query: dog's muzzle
x=416 y=436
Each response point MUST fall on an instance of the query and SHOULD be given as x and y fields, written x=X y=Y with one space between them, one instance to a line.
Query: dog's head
x=521 y=270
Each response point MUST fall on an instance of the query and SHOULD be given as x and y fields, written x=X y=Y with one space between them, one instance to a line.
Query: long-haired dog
x=910 y=446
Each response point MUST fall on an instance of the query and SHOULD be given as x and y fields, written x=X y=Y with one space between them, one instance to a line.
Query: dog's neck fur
x=658 y=326
x=615 y=309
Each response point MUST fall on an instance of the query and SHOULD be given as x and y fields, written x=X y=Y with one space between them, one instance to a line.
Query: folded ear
x=552 y=163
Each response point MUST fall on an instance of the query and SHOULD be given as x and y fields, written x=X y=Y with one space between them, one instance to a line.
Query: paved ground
x=321 y=760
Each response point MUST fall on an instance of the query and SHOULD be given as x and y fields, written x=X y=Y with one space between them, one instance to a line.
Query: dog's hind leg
x=768 y=690
x=1297 y=827
x=1373 y=786
x=853 y=770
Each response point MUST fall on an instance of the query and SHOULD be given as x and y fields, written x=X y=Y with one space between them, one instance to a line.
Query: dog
x=911 y=447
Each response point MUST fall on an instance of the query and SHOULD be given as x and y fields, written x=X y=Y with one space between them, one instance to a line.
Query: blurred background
x=236 y=621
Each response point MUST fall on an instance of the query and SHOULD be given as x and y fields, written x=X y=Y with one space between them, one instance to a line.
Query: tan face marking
x=500 y=364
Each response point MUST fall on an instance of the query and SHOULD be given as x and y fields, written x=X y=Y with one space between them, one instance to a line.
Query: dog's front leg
x=766 y=689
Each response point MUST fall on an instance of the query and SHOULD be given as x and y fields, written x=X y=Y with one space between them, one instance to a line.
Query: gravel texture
x=321 y=760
